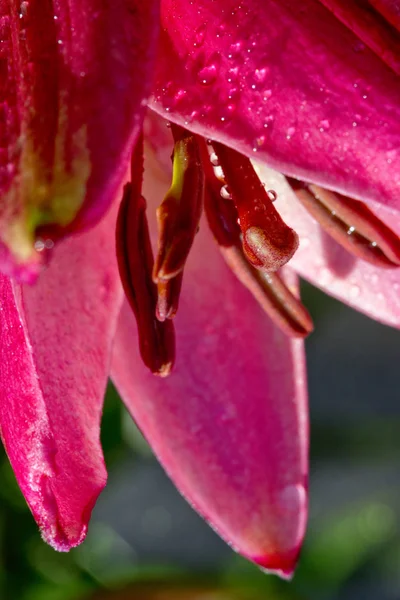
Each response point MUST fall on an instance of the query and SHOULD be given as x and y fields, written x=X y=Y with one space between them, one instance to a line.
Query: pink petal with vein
x=289 y=82
x=320 y=260
x=230 y=423
x=56 y=340
x=72 y=105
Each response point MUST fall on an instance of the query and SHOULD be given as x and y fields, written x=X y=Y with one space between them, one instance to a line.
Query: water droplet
x=354 y=291
x=200 y=35
x=225 y=193
x=324 y=125
x=236 y=48
x=232 y=74
x=23 y=10
x=258 y=142
x=39 y=245
x=260 y=75
x=290 y=132
x=233 y=93
x=208 y=75
x=351 y=230
x=179 y=95
x=214 y=160
x=267 y=95
x=272 y=195
x=390 y=156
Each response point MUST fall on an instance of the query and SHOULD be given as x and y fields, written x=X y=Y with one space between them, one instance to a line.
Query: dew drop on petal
x=291 y=131
x=208 y=75
x=236 y=48
x=354 y=291
x=214 y=159
x=200 y=35
x=260 y=75
x=225 y=193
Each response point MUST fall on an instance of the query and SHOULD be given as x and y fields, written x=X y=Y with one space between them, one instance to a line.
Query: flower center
x=252 y=237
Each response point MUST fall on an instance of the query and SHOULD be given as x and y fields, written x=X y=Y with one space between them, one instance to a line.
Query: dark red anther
x=267 y=241
x=351 y=223
x=179 y=214
x=269 y=289
x=272 y=293
x=135 y=261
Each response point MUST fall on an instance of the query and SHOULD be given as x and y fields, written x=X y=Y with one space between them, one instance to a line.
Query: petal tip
x=63 y=531
x=283 y=565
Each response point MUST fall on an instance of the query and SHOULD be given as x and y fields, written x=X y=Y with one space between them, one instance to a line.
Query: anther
x=169 y=292
x=135 y=261
x=179 y=214
x=267 y=241
x=269 y=289
x=351 y=223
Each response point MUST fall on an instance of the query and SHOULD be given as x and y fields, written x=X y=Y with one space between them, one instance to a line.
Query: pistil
x=267 y=241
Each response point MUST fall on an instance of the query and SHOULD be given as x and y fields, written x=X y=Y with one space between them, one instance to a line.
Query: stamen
x=169 y=292
x=269 y=289
x=267 y=241
x=179 y=214
x=135 y=261
x=351 y=223
x=272 y=294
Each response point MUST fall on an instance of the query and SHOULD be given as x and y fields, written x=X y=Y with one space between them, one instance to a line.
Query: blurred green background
x=145 y=543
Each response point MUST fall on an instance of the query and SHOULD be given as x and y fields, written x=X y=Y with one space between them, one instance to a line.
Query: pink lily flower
x=310 y=90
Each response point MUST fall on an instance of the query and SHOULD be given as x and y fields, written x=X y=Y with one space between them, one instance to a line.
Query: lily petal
x=327 y=265
x=72 y=107
x=289 y=83
x=230 y=423
x=56 y=339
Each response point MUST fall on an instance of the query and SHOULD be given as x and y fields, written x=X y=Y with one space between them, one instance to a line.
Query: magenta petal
x=75 y=76
x=286 y=80
x=320 y=260
x=56 y=340
x=230 y=423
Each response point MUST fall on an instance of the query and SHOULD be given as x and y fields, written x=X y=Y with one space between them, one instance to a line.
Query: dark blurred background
x=145 y=543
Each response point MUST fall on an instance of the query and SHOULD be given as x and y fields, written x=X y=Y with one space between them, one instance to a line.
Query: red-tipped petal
x=230 y=423
x=367 y=288
x=56 y=340
x=288 y=82
x=74 y=78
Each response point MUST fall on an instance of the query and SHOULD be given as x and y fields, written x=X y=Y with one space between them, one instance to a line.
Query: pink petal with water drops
x=56 y=339
x=319 y=259
x=286 y=81
x=230 y=423
x=71 y=108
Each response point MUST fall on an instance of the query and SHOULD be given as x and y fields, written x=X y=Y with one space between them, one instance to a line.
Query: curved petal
x=288 y=81
x=320 y=260
x=230 y=423
x=56 y=340
x=72 y=105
